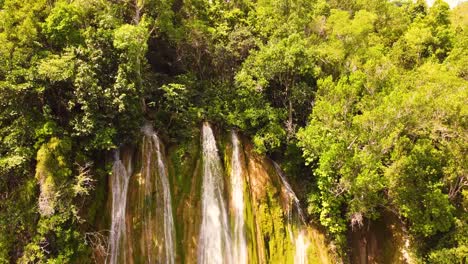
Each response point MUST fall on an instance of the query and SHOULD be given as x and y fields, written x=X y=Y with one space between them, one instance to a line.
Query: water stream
x=119 y=185
x=158 y=222
x=143 y=231
x=302 y=244
x=214 y=240
x=169 y=229
x=237 y=201
x=298 y=236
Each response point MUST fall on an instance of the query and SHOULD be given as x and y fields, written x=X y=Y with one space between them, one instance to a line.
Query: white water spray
x=120 y=179
x=300 y=256
x=237 y=200
x=214 y=241
x=169 y=229
x=159 y=222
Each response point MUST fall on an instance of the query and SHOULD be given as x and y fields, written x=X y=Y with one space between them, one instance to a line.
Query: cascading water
x=300 y=256
x=214 y=240
x=120 y=179
x=237 y=201
x=142 y=231
x=250 y=229
x=169 y=229
x=300 y=238
x=158 y=222
x=291 y=194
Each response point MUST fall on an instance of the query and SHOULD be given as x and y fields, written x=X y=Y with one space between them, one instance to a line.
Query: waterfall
x=158 y=222
x=150 y=237
x=214 y=240
x=300 y=256
x=291 y=194
x=237 y=200
x=169 y=229
x=300 y=238
x=119 y=185
x=235 y=213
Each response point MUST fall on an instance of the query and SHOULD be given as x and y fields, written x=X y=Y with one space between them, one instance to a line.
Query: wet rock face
x=211 y=198
x=150 y=221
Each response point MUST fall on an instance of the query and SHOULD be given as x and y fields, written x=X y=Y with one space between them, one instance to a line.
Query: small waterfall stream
x=169 y=229
x=150 y=237
x=214 y=240
x=119 y=184
x=237 y=201
x=158 y=222
x=291 y=194
x=300 y=256
x=299 y=237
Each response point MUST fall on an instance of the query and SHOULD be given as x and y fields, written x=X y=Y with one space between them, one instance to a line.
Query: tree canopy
x=364 y=101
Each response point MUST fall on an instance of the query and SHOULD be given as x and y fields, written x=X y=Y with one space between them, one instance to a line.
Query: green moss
x=279 y=248
x=52 y=170
x=53 y=160
x=183 y=158
x=58 y=224
x=184 y=165
x=250 y=227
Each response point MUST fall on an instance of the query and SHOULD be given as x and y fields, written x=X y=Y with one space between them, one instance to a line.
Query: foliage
x=371 y=93
x=392 y=134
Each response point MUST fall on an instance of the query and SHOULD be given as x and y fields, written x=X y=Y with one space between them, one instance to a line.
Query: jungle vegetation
x=364 y=102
